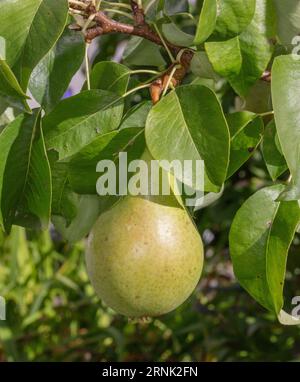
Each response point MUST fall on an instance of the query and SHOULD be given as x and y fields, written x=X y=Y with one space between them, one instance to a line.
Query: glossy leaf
x=288 y=20
x=176 y=36
x=233 y=17
x=137 y=115
x=201 y=66
x=188 y=124
x=272 y=152
x=256 y=47
x=82 y=167
x=78 y=120
x=37 y=45
x=25 y=180
x=285 y=95
x=246 y=132
x=258 y=99
x=64 y=199
x=207 y=21
x=7 y=74
x=260 y=237
x=7 y=116
x=230 y=50
x=87 y=212
x=140 y=52
x=10 y=90
x=110 y=76
x=16 y=36
x=51 y=77
x=172 y=7
x=160 y=8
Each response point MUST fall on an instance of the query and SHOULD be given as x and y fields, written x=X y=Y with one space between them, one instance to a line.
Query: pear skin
x=143 y=258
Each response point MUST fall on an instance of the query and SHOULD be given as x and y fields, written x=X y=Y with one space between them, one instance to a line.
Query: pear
x=144 y=256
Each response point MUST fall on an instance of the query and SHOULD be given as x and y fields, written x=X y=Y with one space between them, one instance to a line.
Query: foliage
x=225 y=83
x=57 y=315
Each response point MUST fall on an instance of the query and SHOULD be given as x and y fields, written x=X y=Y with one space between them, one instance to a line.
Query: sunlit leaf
x=285 y=95
x=272 y=152
x=188 y=124
x=52 y=76
x=246 y=130
x=260 y=237
x=78 y=120
x=207 y=21
x=25 y=181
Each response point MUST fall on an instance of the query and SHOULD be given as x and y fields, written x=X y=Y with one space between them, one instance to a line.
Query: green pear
x=144 y=256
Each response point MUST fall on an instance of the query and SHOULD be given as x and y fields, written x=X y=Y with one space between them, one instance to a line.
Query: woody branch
x=104 y=25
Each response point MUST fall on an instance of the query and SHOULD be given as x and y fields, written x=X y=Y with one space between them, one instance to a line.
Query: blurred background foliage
x=54 y=315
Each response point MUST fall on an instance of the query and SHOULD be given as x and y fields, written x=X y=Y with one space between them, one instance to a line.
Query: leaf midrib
x=186 y=125
x=29 y=31
x=58 y=136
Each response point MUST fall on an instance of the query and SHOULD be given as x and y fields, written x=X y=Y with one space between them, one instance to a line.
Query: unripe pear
x=144 y=258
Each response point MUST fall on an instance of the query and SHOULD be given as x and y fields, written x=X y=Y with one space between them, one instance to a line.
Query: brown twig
x=138 y=13
x=106 y=25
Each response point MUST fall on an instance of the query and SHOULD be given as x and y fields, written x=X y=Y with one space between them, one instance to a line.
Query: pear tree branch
x=103 y=25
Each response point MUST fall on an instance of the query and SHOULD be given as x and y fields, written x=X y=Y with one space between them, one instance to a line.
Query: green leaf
x=243 y=60
x=233 y=17
x=189 y=124
x=246 y=130
x=78 y=120
x=10 y=90
x=37 y=36
x=288 y=20
x=207 y=21
x=64 y=199
x=160 y=8
x=283 y=230
x=201 y=67
x=285 y=95
x=7 y=116
x=172 y=7
x=16 y=18
x=176 y=36
x=141 y=52
x=137 y=115
x=209 y=83
x=7 y=74
x=52 y=76
x=260 y=237
x=256 y=47
x=230 y=50
x=272 y=152
x=107 y=75
x=88 y=208
x=82 y=167
x=25 y=180
x=258 y=99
